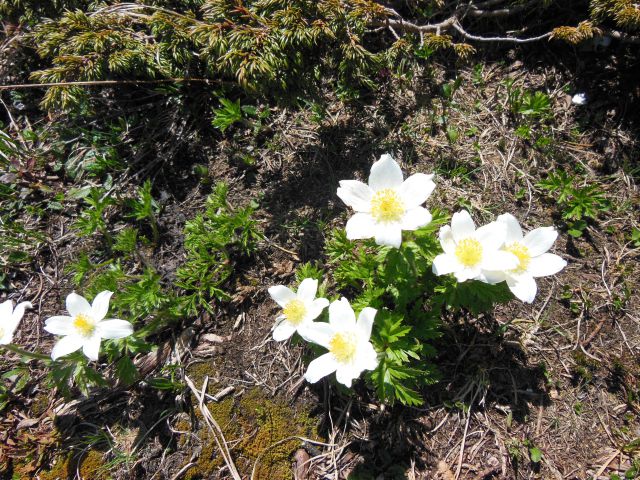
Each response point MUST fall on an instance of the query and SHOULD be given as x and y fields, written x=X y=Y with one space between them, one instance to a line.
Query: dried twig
x=215 y=429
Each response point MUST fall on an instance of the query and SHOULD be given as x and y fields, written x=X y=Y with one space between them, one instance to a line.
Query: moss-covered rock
x=258 y=429
x=90 y=465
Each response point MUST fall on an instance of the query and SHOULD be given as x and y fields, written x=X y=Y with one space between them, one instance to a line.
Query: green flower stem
x=25 y=353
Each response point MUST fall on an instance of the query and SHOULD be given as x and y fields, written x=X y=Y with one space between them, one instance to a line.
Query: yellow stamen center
x=343 y=346
x=386 y=206
x=469 y=252
x=522 y=252
x=84 y=324
x=295 y=312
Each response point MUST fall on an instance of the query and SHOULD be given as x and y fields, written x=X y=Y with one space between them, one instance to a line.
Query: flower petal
x=114 y=328
x=445 y=263
x=7 y=336
x=355 y=194
x=283 y=331
x=307 y=290
x=59 y=325
x=367 y=357
x=546 y=264
x=523 y=287
x=77 y=305
x=415 y=190
x=281 y=295
x=321 y=367
x=462 y=225
x=6 y=309
x=91 y=347
x=385 y=173
x=319 y=333
x=540 y=240
x=346 y=373
x=447 y=242
x=341 y=315
x=20 y=308
x=100 y=305
x=465 y=274
x=514 y=231
x=66 y=345
x=491 y=236
x=415 y=218
x=365 y=322
x=494 y=277
x=361 y=225
x=316 y=308
x=500 y=261
x=389 y=234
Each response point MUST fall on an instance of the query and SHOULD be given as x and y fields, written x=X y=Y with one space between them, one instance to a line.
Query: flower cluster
x=497 y=252
x=84 y=328
x=384 y=208
x=347 y=340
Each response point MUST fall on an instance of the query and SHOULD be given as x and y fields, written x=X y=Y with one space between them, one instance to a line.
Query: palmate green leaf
x=394 y=382
x=370 y=297
x=85 y=378
x=391 y=327
x=473 y=295
x=126 y=371
x=212 y=241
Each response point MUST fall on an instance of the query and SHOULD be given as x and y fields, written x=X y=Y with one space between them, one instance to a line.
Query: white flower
x=387 y=205
x=298 y=309
x=470 y=253
x=579 y=99
x=85 y=327
x=533 y=259
x=10 y=318
x=350 y=351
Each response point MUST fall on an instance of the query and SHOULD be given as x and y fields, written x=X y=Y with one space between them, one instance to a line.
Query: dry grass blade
x=215 y=429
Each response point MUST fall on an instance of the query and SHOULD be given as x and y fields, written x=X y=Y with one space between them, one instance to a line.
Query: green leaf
x=126 y=371
x=162 y=383
x=535 y=454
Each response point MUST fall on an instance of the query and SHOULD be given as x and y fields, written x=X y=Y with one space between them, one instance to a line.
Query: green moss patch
x=257 y=428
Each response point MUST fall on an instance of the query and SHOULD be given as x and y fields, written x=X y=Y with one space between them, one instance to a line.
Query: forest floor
x=549 y=390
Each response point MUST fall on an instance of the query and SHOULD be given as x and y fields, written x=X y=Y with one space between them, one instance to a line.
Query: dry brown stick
x=593 y=334
x=606 y=463
x=218 y=436
x=106 y=83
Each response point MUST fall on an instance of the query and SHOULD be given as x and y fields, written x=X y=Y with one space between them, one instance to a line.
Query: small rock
x=301 y=468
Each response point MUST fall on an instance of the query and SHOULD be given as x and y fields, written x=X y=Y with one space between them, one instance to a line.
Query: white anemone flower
x=533 y=259
x=299 y=309
x=470 y=253
x=388 y=204
x=10 y=318
x=579 y=99
x=350 y=351
x=85 y=327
